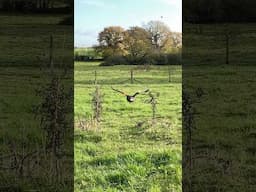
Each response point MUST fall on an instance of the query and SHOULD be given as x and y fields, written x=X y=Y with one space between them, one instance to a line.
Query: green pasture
x=223 y=131
x=126 y=152
x=25 y=42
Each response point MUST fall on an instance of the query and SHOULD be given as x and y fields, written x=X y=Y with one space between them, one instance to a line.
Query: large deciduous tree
x=160 y=35
x=111 y=41
x=177 y=40
x=137 y=44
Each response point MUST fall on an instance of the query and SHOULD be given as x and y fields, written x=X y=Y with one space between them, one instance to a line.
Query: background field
x=25 y=42
x=222 y=98
x=127 y=153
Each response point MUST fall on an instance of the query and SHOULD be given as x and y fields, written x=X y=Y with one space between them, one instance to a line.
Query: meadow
x=220 y=154
x=126 y=151
x=25 y=42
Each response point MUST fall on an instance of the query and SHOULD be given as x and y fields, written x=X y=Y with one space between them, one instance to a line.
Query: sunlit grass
x=127 y=152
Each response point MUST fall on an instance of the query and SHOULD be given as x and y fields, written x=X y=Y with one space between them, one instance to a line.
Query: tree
x=137 y=44
x=177 y=40
x=111 y=41
x=160 y=35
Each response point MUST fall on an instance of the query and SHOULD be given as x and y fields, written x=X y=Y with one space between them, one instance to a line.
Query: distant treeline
x=90 y=54
x=86 y=58
x=216 y=11
x=156 y=58
x=152 y=43
x=38 y=6
x=87 y=54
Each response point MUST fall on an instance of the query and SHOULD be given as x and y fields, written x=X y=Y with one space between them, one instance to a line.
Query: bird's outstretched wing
x=119 y=91
x=144 y=92
x=141 y=92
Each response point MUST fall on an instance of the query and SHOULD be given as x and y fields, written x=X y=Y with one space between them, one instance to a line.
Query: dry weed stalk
x=97 y=104
x=153 y=101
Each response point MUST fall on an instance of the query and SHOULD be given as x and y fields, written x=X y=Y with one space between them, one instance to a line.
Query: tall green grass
x=127 y=153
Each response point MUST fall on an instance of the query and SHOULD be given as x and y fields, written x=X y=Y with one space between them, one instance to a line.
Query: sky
x=92 y=16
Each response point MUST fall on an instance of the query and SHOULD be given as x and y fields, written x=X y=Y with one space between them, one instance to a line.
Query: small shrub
x=53 y=111
x=114 y=60
x=97 y=101
x=159 y=59
x=173 y=58
x=153 y=101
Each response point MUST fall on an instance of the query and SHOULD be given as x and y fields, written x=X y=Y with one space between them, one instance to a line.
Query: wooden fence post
x=51 y=53
x=95 y=77
x=131 y=76
x=227 y=48
x=169 y=73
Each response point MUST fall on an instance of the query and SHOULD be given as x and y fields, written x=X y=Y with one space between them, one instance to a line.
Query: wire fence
x=219 y=44
x=156 y=76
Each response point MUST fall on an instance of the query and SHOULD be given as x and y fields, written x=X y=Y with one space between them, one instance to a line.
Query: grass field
x=25 y=42
x=223 y=136
x=126 y=152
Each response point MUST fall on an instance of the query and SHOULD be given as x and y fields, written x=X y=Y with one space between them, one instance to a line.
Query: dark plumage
x=129 y=98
